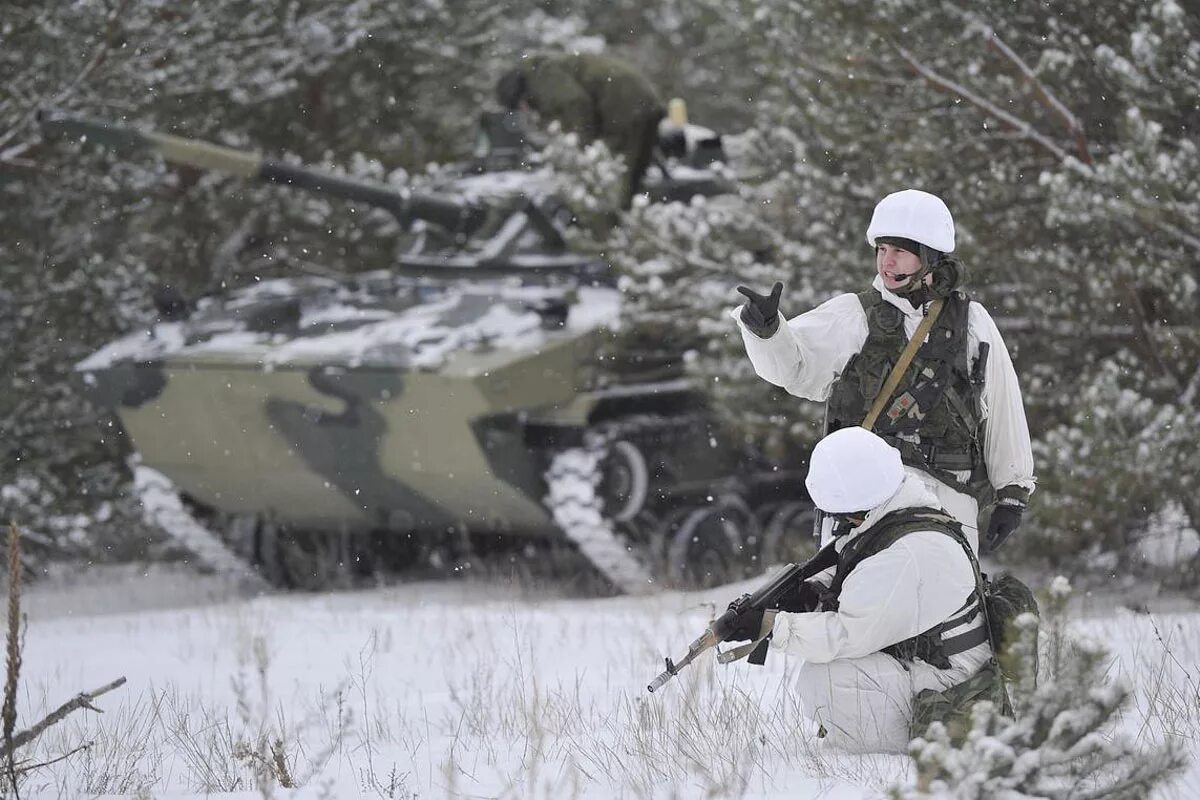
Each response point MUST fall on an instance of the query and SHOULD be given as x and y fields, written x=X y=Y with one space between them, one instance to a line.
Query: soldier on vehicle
x=594 y=95
x=899 y=614
x=956 y=413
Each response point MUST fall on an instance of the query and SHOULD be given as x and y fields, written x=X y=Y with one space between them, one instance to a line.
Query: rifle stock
x=764 y=598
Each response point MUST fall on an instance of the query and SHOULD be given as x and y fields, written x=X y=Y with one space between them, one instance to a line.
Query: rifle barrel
x=658 y=682
x=705 y=642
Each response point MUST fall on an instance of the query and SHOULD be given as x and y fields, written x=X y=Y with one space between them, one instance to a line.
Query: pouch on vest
x=1007 y=598
x=952 y=707
x=1004 y=599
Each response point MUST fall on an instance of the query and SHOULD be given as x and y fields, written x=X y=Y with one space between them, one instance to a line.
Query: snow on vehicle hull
x=373 y=421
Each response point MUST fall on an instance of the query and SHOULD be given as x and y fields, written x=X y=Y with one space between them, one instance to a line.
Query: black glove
x=1006 y=518
x=746 y=626
x=800 y=597
x=761 y=312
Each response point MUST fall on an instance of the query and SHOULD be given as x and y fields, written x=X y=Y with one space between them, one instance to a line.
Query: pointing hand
x=761 y=312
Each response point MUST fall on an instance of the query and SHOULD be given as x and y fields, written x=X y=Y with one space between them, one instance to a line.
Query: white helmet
x=852 y=469
x=913 y=214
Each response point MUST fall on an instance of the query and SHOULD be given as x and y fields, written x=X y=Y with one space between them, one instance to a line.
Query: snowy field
x=458 y=689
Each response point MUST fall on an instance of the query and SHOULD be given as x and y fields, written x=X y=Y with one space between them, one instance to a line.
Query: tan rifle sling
x=910 y=352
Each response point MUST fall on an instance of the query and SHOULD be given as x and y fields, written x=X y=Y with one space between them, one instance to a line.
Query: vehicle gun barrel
x=450 y=213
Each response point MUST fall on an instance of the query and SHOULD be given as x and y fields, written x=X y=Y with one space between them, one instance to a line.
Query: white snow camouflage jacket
x=809 y=351
x=920 y=581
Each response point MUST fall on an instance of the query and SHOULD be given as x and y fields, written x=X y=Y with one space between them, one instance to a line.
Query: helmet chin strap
x=914 y=290
x=913 y=287
x=915 y=283
x=912 y=281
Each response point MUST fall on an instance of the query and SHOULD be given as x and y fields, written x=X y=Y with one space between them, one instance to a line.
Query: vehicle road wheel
x=242 y=533
x=624 y=481
x=788 y=535
x=708 y=546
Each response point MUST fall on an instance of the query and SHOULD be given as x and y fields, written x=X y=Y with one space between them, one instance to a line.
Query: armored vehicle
x=461 y=393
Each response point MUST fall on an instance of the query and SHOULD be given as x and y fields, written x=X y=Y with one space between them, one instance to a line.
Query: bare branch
x=1193 y=388
x=98 y=55
x=850 y=69
x=1147 y=215
x=13 y=649
x=1014 y=122
x=1084 y=165
x=1074 y=126
x=81 y=700
x=1143 y=214
x=11 y=161
x=97 y=58
x=25 y=766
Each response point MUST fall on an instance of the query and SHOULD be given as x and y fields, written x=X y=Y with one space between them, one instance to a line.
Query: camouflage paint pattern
x=401 y=400
x=424 y=432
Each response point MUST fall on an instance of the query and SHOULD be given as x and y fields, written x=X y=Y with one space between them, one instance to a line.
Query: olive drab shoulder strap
x=883 y=534
x=934 y=415
x=954 y=531
x=895 y=526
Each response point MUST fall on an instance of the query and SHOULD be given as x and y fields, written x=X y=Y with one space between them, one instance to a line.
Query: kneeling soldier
x=899 y=614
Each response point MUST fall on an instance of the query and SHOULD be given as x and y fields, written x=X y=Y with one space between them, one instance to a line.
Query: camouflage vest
x=933 y=418
x=936 y=645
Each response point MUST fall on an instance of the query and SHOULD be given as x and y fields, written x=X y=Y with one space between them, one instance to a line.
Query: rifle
x=764 y=598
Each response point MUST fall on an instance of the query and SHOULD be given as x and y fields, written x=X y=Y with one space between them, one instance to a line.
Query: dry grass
x=506 y=717
x=18 y=770
x=506 y=730
x=1161 y=666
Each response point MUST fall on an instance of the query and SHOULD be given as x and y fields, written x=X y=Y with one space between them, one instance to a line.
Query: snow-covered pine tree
x=1061 y=744
x=1129 y=418
x=1063 y=138
x=678 y=263
x=1063 y=135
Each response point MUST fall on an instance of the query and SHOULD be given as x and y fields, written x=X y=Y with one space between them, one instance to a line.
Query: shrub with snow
x=1061 y=744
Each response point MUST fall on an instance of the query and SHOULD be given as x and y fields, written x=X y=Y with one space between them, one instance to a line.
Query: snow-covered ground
x=457 y=689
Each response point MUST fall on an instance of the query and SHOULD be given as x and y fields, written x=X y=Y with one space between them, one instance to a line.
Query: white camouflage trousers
x=865 y=704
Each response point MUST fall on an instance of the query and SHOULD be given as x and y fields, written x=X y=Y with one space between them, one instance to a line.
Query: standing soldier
x=955 y=414
x=596 y=96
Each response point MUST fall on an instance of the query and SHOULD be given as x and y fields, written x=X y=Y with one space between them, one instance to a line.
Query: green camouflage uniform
x=598 y=97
